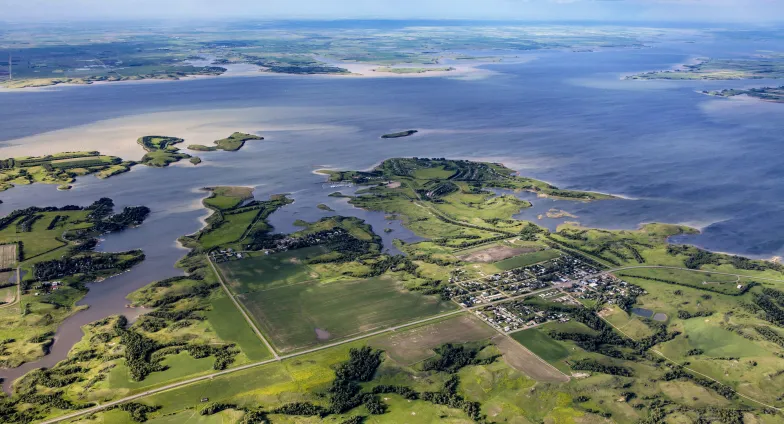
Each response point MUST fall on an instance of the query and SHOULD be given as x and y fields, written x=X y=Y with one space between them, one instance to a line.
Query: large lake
x=567 y=118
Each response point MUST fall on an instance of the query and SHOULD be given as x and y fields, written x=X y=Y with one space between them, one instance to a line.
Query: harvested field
x=523 y=360
x=7 y=256
x=415 y=345
x=495 y=253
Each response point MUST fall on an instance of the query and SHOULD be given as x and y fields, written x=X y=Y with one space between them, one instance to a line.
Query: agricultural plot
x=229 y=324
x=262 y=272
x=417 y=344
x=538 y=342
x=7 y=255
x=523 y=360
x=298 y=316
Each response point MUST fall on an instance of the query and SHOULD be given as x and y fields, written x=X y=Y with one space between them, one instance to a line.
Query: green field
x=707 y=335
x=542 y=345
x=261 y=272
x=291 y=315
x=230 y=326
x=180 y=366
x=225 y=198
x=527 y=259
x=60 y=168
x=231 y=230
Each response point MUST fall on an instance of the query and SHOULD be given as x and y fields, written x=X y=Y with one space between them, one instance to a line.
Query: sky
x=740 y=11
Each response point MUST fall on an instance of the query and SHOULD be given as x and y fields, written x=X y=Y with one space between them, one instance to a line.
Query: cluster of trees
x=680 y=373
x=86 y=264
x=345 y=392
x=591 y=365
x=53 y=378
x=579 y=252
x=686 y=314
x=451 y=358
x=556 y=244
x=138 y=411
x=52 y=400
x=130 y=216
x=25 y=224
x=696 y=258
x=695 y=352
x=198 y=291
x=14 y=215
x=448 y=396
x=138 y=353
x=770 y=335
x=217 y=407
x=772 y=311
x=437 y=190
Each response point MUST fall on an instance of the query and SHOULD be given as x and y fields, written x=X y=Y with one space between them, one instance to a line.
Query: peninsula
x=486 y=318
x=768 y=94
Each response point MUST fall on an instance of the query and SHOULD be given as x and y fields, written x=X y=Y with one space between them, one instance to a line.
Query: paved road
x=375 y=333
x=179 y=384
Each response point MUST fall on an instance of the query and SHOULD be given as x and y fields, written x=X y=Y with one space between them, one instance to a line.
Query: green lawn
x=261 y=272
x=291 y=315
x=527 y=259
x=230 y=326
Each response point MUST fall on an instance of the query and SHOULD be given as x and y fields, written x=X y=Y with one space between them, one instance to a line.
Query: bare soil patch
x=416 y=345
x=7 y=256
x=523 y=360
x=322 y=334
x=495 y=254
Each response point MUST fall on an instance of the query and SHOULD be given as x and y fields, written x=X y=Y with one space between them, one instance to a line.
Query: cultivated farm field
x=299 y=316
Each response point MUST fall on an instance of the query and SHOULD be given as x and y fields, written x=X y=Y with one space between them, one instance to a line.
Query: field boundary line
x=508 y=336
x=242 y=310
x=101 y=407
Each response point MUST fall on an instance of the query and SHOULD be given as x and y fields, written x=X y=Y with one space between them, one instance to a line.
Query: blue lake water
x=567 y=118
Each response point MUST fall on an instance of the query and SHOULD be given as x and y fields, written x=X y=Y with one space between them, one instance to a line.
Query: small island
x=231 y=143
x=161 y=150
x=61 y=168
x=768 y=94
x=400 y=134
x=324 y=207
x=403 y=71
x=720 y=69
